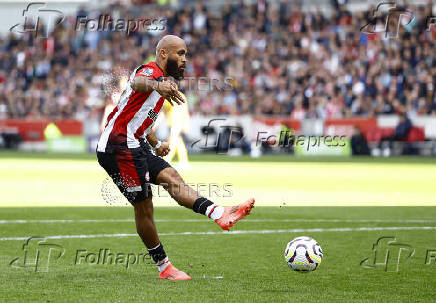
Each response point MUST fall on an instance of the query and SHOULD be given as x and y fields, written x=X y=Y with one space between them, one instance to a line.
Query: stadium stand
x=280 y=59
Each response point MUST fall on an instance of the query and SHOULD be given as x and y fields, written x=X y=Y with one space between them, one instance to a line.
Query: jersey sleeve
x=147 y=71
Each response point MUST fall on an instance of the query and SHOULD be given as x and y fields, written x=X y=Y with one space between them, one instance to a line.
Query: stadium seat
x=416 y=134
x=375 y=134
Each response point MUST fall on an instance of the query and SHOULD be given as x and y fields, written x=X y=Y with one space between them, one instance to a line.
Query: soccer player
x=125 y=151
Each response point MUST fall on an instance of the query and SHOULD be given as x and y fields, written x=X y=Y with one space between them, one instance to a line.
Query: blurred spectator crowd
x=262 y=59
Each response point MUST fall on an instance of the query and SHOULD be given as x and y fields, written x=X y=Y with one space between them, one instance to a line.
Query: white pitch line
x=65 y=221
x=206 y=220
x=236 y=232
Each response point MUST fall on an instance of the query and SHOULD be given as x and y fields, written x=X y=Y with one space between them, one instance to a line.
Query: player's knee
x=174 y=178
x=144 y=207
x=175 y=183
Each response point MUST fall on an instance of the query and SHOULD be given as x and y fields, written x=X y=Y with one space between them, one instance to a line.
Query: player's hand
x=169 y=90
x=163 y=150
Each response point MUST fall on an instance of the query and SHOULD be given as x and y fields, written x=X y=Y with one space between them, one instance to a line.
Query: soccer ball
x=303 y=254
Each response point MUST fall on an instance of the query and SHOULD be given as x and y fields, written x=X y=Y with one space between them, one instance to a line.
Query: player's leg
x=147 y=231
x=145 y=223
x=171 y=180
x=128 y=169
x=186 y=196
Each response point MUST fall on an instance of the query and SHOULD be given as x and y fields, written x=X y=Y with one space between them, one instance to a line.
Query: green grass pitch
x=345 y=204
x=55 y=180
x=225 y=267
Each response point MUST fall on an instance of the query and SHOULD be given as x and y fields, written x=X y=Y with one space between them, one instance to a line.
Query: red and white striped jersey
x=134 y=116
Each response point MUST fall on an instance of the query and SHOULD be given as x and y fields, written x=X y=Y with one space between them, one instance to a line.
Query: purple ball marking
x=308 y=258
x=293 y=257
x=315 y=251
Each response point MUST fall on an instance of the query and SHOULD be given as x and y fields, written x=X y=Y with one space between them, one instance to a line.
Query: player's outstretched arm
x=167 y=89
x=144 y=84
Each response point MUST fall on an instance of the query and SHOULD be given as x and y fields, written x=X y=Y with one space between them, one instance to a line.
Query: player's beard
x=174 y=70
